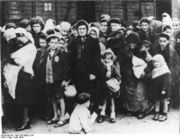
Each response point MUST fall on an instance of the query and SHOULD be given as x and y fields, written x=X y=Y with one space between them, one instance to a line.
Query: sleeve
x=96 y=58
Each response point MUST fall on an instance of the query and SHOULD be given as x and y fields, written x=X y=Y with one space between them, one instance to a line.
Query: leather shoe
x=26 y=125
x=101 y=119
x=156 y=117
x=163 y=117
x=112 y=120
x=141 y=115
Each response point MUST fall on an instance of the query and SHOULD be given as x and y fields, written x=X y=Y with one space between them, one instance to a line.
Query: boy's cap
x=52 y=36
x=83 y=97
x=164 y=36
x=115 y=20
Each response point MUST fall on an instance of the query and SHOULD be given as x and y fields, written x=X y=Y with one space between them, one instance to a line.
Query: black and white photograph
x=89 y=67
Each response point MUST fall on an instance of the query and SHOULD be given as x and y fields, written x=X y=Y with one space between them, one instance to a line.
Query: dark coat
x=60 y=68
x=116 y=42
x=114 y=74
x=177 y=43
x=84 y=63
x=150 y=35
x=36 y=39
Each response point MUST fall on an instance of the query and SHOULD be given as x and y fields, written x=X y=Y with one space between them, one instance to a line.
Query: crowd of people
x=74 y=72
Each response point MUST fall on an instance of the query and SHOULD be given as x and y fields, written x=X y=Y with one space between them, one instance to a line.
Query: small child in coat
x=161 y=82
x=81 y=120
x=109 y=72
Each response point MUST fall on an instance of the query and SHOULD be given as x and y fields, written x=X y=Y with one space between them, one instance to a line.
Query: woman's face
x=103 y=27
x=144 y=26
x=82 y=30
x=37 y=28
x=163 y=42
x=132 y=45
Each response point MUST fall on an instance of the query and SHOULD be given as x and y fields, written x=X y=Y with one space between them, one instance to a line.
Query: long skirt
x=24 y=89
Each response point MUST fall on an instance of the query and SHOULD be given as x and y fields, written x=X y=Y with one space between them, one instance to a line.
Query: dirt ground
x=124 y=124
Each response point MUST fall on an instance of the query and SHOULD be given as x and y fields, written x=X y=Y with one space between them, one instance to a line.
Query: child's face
x=53 y=44
x=115 y=26
x=93 y=34
x=61 y=45
x=163 y=42
x=156 y=64
x=144 y=26
x=108 y=59
x=42 y=43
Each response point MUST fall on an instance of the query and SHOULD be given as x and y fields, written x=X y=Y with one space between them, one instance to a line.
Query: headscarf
x=26 y=34
x=95 y=29
x=162 y=69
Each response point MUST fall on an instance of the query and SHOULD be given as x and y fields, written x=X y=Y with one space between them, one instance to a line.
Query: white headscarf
x=162 y=69
x=27 y=34
x=166 y=20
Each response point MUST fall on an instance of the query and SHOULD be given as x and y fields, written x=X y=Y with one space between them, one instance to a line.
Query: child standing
x=109 y=72
x=55 y=75
x=161 y=80
x=81 y=121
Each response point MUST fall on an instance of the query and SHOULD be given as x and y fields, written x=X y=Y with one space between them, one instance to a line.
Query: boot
x=26 y=121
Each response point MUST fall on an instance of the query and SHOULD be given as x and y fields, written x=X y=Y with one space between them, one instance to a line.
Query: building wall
x=175 y=8
x=129 y=10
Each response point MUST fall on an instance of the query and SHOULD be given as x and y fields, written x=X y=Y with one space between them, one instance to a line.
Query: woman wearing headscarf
x=135 y=82
x=19 y=74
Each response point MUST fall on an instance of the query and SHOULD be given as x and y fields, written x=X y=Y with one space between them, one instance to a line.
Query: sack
x=113 y=84
x=70 y=91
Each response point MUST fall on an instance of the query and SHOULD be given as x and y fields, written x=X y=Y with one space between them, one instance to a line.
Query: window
x=47 y=6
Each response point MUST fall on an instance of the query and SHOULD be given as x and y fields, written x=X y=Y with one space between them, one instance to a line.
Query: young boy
x=81 y=121
x=55 y=74
x=161 y=82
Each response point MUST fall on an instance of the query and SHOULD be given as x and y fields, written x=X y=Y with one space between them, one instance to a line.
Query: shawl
x=162 y=69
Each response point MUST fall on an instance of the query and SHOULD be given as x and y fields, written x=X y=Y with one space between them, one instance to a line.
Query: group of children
x=52 y=73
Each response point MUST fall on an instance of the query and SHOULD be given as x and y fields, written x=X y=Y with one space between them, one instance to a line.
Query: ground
x=123 y=124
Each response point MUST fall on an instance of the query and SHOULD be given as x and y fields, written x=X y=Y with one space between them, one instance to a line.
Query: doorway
x=86 y=10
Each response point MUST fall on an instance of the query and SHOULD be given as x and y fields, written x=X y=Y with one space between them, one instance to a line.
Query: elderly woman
x=19 y=73
x=136 y=92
